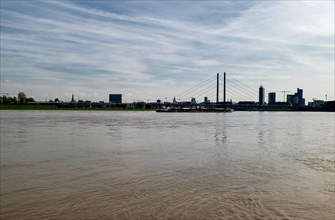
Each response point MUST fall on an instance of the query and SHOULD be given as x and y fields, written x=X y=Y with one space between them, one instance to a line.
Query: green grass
x=47 y=107
x=25 y=107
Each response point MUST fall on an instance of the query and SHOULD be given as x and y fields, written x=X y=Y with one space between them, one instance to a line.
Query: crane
x=284 y=92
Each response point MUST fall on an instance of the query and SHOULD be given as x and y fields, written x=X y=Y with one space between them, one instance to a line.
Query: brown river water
x=148 y=165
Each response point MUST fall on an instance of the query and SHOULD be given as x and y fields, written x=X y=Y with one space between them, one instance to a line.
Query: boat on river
x=194 y=110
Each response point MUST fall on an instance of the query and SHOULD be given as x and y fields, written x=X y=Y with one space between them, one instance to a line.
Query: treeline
x=21 y=98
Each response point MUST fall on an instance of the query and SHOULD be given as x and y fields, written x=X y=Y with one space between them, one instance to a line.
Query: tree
x=159 y=103
x=4 y=100
x=21 y=97
x=56 y=100
x=14 y=100
x=9 y=100
x=140 y=105
x=30 y=100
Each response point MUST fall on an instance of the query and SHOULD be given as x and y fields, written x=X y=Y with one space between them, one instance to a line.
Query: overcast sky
x=150 y=50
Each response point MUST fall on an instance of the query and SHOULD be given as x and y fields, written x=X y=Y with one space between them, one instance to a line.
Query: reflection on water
x=145 y=165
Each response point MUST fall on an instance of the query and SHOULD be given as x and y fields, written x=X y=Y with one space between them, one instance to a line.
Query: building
x=317 y=103
x=301 y=100
x=193 y=101
x=296 y=99
x=272 y=97
x=261 y=95
x=115 y=98
x=245 y=106
x=292 y=99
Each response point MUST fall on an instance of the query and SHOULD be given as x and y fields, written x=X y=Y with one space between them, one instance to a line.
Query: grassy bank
x=47 y=107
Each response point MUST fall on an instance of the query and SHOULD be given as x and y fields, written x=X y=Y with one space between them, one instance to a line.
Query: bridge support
x=217 y=89
x=224 y=90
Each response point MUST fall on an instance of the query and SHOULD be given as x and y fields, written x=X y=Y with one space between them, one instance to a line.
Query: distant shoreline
x=55 y=108
x=52 y=108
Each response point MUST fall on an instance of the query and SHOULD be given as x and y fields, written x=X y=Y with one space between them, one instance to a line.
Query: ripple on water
x=118 y=165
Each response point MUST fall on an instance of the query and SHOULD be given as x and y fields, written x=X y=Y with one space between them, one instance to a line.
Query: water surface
x=148 y=165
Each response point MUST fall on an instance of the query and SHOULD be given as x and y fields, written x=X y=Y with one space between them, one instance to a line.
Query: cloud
x=97 y=48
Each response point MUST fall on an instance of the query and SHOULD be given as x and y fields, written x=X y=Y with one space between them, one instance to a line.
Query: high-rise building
x=261 y=95
x=296 y=99
x=299 y=93
x=115 y=98
x=292 y=99
x=272 y=97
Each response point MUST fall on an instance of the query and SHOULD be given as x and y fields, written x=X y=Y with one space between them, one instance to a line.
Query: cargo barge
x=195 y=110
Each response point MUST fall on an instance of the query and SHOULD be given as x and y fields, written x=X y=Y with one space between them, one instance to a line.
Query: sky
x=149 y=50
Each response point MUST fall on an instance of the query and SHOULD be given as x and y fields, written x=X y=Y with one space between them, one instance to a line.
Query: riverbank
x=125 y=108
x=47 y=107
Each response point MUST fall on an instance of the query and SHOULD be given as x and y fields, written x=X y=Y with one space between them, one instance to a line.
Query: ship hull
x=195 y=110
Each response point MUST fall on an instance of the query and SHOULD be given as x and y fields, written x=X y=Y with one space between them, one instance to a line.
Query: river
x=148 y=165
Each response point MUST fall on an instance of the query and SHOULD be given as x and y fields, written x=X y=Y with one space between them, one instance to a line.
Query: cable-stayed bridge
x=218 y=88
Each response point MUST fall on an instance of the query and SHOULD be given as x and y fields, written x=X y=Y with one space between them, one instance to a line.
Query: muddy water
x=147 y=165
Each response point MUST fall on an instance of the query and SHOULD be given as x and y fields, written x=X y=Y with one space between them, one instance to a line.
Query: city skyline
x=153 y=50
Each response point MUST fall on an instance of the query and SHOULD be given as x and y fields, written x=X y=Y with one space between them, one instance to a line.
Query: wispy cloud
x=56 y=48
